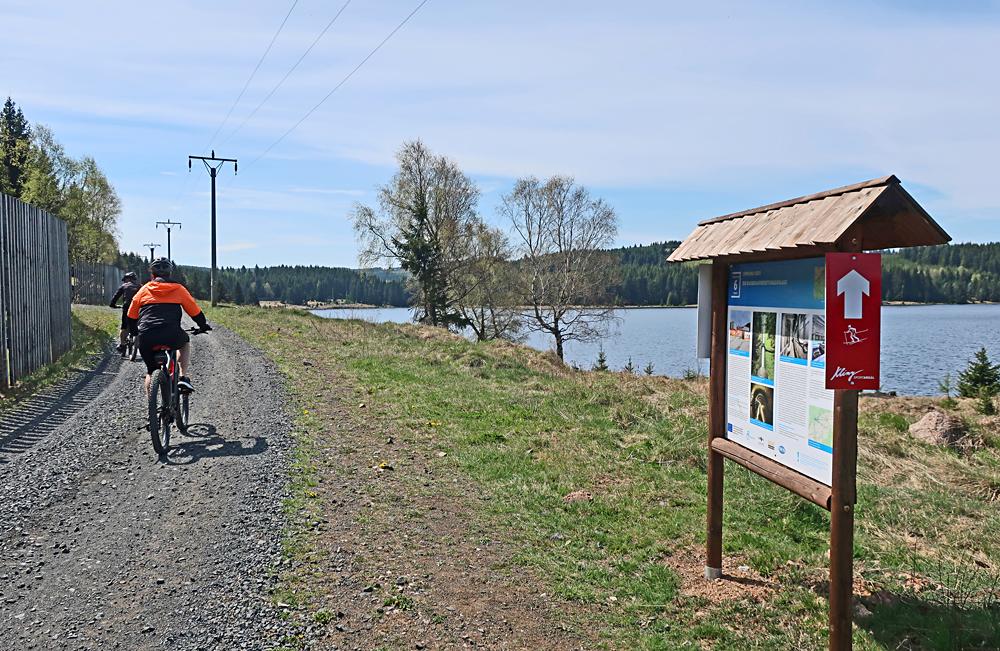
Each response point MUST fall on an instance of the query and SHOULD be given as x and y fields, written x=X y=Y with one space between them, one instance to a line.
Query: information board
x=777 y=403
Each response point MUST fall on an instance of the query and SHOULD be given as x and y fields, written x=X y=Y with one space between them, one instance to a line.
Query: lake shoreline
x=920 y=344
x=365 y=306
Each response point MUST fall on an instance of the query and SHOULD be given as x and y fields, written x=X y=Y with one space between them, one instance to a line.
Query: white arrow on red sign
x=852 y=285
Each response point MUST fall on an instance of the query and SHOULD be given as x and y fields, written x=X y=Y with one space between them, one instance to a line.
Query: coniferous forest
x=951 y=273
x=290 y=284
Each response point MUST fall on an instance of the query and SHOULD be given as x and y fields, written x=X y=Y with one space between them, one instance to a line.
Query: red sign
x=853 y=320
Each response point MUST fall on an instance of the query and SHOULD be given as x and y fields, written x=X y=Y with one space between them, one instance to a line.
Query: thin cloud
x=350 y=193
x=238 y=246
x=741 y=104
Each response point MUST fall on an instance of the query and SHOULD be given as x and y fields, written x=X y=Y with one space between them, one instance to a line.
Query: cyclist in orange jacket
x=157 y=308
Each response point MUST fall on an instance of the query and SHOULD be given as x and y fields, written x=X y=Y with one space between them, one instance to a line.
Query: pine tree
x=602 y=361
x=629 y=367
x=648 y=369
x=15 y=148
x=41 y=186
x=979 y=375
x=238 y=293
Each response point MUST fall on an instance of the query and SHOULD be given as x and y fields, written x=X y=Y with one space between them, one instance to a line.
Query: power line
x=252 y=74
x=287 y=74
x=169 y=224
x=152 y=246
x=342 y=82
x=181 y=189
x=187 y=181
x=212 y=165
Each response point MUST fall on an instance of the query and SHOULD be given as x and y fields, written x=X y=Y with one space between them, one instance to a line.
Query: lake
x=920 y=344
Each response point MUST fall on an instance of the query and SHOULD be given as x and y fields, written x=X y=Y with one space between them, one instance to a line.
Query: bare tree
x=426 y=221
x=565 y=274
x=491 y=306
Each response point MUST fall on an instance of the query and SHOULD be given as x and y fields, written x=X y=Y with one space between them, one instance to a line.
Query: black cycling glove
x=202 y=322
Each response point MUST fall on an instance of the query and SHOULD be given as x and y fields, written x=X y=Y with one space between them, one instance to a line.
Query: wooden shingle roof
x=879 y=214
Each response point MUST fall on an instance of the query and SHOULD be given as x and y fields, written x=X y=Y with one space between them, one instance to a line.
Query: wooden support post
x=842 y=501
x=716 y=418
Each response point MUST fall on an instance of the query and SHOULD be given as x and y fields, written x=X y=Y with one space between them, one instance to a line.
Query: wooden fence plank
x=4 y=239
x=35 y=290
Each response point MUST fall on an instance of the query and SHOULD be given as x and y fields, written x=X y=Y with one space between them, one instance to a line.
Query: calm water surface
x=920 y=344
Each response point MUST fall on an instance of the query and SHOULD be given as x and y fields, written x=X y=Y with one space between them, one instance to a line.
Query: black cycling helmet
x=161 y=268
x=130 y=276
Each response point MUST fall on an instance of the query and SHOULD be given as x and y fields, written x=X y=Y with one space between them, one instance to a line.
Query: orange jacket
x=157 y=292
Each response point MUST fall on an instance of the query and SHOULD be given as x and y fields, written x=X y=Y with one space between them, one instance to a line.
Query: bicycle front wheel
x=159 y=412
x=183 y=411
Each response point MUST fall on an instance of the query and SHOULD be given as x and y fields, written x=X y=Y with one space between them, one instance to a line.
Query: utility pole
x=169 y=224
x=213 y=164
x=151 y=247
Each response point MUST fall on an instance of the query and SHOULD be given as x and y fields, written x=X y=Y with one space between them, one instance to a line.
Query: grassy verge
x=92 y=327
x=532 y=433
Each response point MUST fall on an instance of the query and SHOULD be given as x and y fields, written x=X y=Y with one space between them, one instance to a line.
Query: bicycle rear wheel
x=159 y=412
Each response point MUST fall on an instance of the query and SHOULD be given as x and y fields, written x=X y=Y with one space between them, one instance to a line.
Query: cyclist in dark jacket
x=156 y=309
x=127 y=291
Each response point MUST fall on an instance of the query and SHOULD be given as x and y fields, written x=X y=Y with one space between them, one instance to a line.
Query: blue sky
x=673 y=112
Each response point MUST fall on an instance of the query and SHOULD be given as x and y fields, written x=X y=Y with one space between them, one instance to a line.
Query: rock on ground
x=939 y=428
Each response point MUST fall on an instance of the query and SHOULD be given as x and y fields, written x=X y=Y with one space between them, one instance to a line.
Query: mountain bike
x=168 y=406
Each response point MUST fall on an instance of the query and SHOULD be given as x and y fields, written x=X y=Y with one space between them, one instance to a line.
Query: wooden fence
x=94 y=284
x=35 y=322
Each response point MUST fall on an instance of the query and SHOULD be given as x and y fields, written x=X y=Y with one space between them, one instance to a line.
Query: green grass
x=92 y=329
x=529 y=431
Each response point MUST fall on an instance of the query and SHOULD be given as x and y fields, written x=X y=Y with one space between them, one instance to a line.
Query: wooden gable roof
x=879 y=214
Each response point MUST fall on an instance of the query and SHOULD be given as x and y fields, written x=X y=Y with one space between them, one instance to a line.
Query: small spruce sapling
x=944 y=386
x=602 y=361
x=629 y=367
x=985 y=404
x=648 y=368
x=980 y=374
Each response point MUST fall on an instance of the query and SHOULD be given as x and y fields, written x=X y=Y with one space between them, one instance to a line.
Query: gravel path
x=104 y=546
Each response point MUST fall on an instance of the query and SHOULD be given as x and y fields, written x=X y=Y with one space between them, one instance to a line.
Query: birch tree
x=565 y=275
x=426 y=222
x=491 y=306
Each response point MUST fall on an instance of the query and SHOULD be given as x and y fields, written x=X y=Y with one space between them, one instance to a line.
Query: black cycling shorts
x=125 y=317
x=175 y=338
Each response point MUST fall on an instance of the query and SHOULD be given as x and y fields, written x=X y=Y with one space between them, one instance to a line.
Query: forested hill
x=951 y=273
x=645 y=278
x=291 y=284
